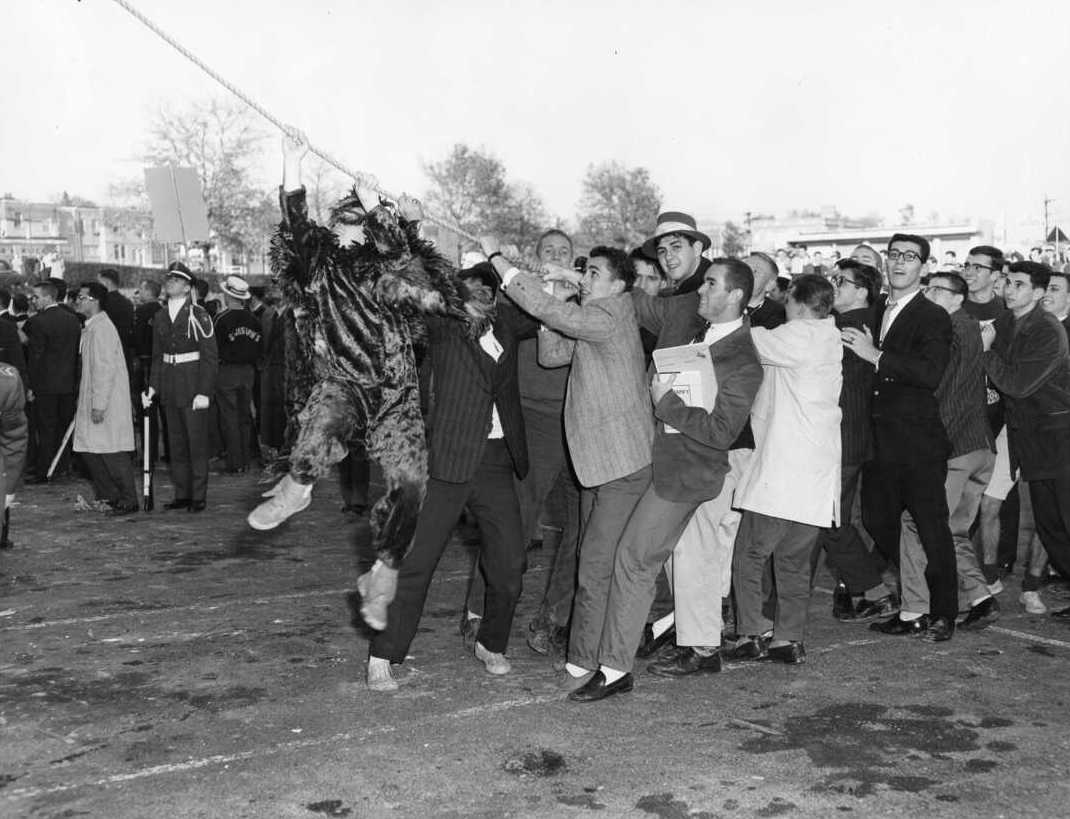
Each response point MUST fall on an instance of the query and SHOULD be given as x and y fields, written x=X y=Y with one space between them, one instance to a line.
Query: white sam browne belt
x=181 y=358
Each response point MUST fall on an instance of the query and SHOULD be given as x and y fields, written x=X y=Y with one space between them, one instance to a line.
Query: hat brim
x=650 y=246
x=235 y=294
x=178 y=274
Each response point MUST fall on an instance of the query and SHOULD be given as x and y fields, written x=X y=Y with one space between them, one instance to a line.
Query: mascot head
x=352 y=223
x=479 y=290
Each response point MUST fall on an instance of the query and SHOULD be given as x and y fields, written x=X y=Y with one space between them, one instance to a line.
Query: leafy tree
x=469 y=187
x=618 y=205
x=221 y=142
x=733 y=240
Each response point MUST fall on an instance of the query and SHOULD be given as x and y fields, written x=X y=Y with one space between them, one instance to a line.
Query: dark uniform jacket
x=465 y=382
x=1030 y=365
x=178 y=384
x=907 y=428
x=53 y=335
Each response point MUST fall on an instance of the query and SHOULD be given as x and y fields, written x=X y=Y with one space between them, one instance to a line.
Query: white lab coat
x=795 y=471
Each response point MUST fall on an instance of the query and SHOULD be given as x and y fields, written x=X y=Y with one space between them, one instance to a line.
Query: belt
x=181 y=358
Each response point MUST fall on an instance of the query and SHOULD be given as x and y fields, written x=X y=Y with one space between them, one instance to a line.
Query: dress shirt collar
x=715 y=332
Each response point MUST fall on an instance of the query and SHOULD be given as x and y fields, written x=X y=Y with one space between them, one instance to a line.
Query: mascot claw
x=377 y=588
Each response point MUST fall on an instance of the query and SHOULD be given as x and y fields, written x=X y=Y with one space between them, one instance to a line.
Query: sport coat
x=1030 y=365
x=178 y=384
x=906 y=415
x=465 y=383
x=856 y=426
x=690 y=466
x=609 y=425
x=52 y=351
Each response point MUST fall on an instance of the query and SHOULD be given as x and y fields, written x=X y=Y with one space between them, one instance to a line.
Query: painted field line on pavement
x=202 y=607
x=271 y=750
x=1033 y=638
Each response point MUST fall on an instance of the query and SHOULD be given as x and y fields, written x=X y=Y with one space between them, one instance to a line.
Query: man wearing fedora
x=184 y=368
x=678 y=245
x=239 y=335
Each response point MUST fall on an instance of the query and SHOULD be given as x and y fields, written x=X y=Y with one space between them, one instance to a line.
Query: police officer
x=184 y=368
x=239 y=336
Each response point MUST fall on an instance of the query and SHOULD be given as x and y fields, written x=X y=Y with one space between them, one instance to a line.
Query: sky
x=961 y=108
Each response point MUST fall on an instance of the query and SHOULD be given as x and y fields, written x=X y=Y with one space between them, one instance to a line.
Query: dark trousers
x=187 y=435
x=789 y=544
x=53 y=414
x=1051 y=512
x=354 y=475
x=233 y=397
x=112 y=474
x=847 y=556
x=491 y=497
x=889 y=489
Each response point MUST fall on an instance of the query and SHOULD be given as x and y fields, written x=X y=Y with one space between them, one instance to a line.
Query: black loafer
x=596 y=688
x=982 y=615
x=651 y=645
x=843 y=605
x=198 y=506
x=685 y=661
x=793 y=654
x=896 y=625
x=178 y=503
x=940 y=629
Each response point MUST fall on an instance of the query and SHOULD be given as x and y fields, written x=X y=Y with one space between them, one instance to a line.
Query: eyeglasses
x=908 y=256
x=85 y=298
x=975 y=267
x=839 y=281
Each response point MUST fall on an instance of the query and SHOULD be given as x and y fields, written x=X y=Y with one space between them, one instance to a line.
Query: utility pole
x=1047 y=202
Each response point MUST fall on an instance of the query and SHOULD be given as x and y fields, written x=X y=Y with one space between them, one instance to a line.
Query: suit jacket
x=465 y=382
x=178 y=384
x=690 y=466
x=121 y=312
x=11 y=351
x=768 y=315
x=856 y=427
x=143 y=315
x=53 y=336
x=1030 y=365
x=608 y=422
x=906 y=415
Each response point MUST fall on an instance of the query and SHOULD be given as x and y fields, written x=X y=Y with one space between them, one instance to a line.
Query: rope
x=363 y=180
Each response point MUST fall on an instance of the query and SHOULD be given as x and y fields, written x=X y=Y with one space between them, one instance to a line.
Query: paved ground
x=181 y=665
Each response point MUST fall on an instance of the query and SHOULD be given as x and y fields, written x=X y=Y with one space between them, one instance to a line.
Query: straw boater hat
x=673 y=222
x=236 y=287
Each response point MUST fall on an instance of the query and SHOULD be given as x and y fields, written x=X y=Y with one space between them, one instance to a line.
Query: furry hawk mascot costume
x=357 y=288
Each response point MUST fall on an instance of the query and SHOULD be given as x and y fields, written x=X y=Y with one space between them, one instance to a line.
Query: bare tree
x=619 y=205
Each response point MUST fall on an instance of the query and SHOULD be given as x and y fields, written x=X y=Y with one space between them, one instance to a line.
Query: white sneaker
x=1032 y=602
x=995 y=588
x=288 y=498
x=380 y=677
x=494 y=663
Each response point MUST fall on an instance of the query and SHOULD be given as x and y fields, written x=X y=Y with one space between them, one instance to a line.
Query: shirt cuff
x=877 y=362
x=509 y=275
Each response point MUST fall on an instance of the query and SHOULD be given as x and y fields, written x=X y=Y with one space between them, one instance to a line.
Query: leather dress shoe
x=868 y=610
x=747 y=650
x=597 y=688
x=178 y=503
x=793 y=654
x=896 y=625
x=685 y=661
x=940 y=629
x=651 y=645
x=198 y=506
x=981 y=615
x=1062 y=614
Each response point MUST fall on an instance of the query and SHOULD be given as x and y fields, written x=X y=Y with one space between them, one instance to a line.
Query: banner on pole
x=178 y=210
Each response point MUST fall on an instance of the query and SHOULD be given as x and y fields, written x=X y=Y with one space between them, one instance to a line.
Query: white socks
x=663 y=624
x=611 y=674
x=575 y=670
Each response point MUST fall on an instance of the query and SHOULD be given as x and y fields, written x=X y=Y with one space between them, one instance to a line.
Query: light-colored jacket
x=609 y=420
x=105 y=386
x=795 y=470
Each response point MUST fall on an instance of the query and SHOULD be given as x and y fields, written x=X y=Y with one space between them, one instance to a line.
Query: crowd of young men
x=849 y=422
